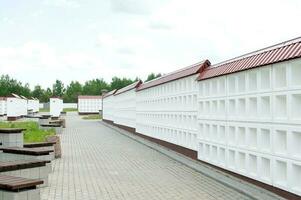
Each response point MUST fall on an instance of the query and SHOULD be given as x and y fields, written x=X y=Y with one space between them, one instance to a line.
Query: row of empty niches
x=177 y=120
x=276 y=171
x=182 y=138
x=278 y=106
x=274 y=77
x=283 y=141
x=185 y=102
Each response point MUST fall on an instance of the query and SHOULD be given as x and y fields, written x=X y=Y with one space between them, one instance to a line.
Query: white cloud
x=62 y=3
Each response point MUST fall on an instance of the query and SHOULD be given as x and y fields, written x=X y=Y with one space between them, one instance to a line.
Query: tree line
x=69 y=92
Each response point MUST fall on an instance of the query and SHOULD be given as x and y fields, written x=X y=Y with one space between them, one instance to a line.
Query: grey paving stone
x=100 y=163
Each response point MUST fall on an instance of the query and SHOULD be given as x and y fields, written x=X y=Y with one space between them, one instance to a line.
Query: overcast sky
x=44 y=40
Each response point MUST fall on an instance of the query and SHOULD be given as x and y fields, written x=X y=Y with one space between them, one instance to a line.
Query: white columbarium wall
x=16 y=107
x=2 y=107
x=89 y=105
x=169 y=112
x=109 y=108
x=250 y=123
x=125 y=108
x=56 y=107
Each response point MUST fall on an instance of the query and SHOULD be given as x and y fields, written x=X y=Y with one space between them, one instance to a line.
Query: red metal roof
x=89 y=97
x=273 y=54
x=110 y=93
x=129 y=87
x=188 y=71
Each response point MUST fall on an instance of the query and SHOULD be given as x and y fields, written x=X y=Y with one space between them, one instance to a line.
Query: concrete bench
x=44 y=119
x=13 y=188
x=62 y=122
x=57 y=127
x=29 y=153
x=11 y=137
x=34 y=169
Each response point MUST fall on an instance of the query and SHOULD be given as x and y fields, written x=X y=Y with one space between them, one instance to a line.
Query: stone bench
x=44 y=119
x=62 y=122
x=13 y=188
x=43 y=145
x=11 y=137
x=29 y=153
x=57 y=127
x=33 y=169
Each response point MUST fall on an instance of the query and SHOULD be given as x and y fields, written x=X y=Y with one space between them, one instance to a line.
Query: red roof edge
x=112 y=92
x=273 y=54
x=182 y=73
x=129 y=87
x=89 y=97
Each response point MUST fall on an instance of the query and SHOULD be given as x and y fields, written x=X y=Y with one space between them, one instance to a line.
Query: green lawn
x=70 y=109
x=32 y=133
x=44 y=110
x=91 y=117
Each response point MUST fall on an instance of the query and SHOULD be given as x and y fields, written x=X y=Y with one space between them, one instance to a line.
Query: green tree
x=46 y=95
x=72 y=91
x=152 y=76
x=58 y=88
x=37 y=92
x=9 y=85
x=94 y=87
x=118 y=83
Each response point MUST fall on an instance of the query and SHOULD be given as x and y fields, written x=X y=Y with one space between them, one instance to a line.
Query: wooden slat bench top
x=11 y=130
x=12 y=183
x=21 y=164
x=51 y=125
x=26 y=151
x=39 y=144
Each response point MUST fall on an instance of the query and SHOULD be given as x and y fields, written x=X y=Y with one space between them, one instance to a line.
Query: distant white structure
x=16 y=107
x=109 y=106
x=33 y=104
x=56 y=106
x=2 y=106
x=70 y=105
x=89 y=104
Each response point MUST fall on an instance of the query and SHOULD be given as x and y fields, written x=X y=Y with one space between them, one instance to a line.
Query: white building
x=125 y=105
x=16 y=107
x=166 y=107
x=89 y=104
x=2 y=106
x=56 y=106
x=249 y=119
x=109 y=106
x=33 y=104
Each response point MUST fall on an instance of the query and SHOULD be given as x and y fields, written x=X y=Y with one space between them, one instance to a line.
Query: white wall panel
x=249 y=123
x=56 y=107
x=89 y=105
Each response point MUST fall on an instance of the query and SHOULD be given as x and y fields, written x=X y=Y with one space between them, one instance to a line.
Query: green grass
x=32 y=133
x=70 y=109
x=91 y=117
x=44 y=110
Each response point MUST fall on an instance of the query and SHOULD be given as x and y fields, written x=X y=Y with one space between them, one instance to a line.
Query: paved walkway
x=99 y=163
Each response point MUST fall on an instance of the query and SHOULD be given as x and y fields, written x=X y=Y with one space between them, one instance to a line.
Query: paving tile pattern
x=98 y=163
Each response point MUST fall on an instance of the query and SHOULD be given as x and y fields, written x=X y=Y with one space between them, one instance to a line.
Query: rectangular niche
x=232 y=108
x=222 y=134
x=222 y=107
x=207 y=152
x=214 y=154
x=241 y=161
x=207 y=107
x=252 y=164
x=265 y=169
x=214 y=107
x=241 y=83
x=295 y=73
x=281 y=173
x=280 y=143
x=265 y=140
x=296 y=144
x=201 y=108
x=207 y=132
x=231 y=135
x=241 y=136
x=280 y=79
x=296 y=177
x=252 y=138
x=231 y=159
x=296 y=105
x=252 y=81
x=241 y=107
x=265 y=107
x=265 y=79
x=201 y=151
x=214 y=87
x=222 y=156
x=252 y=107
x=222 y=86
x=232 y=84
x=281 y=106
x=207 y=88
x=214 y=133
